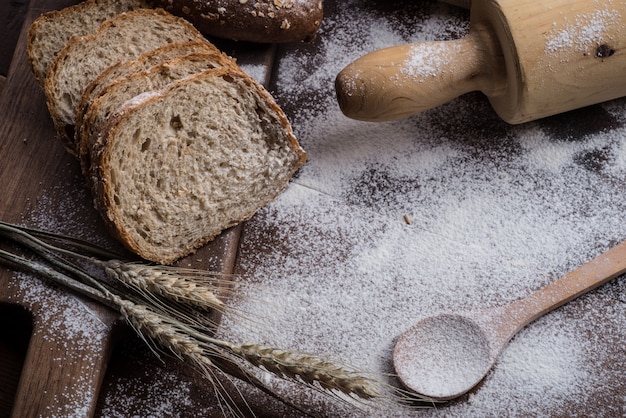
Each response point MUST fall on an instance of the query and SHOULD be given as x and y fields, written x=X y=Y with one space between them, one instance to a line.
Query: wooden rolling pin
x=531 y=58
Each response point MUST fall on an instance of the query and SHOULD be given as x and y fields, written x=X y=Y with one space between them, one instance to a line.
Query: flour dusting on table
x=63 y=318
x=497 y=211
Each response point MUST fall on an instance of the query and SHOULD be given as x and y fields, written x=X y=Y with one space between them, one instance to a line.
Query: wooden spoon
x=444 y=356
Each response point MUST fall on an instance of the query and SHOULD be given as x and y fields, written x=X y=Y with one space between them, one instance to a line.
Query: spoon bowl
x=441 y=356
x=445 y=356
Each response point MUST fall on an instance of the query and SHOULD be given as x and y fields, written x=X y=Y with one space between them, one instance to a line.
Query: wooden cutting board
x=48 y=366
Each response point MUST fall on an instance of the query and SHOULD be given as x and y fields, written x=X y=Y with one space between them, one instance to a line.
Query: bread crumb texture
x=181 y=166
x=174 y=154
x=83 y=58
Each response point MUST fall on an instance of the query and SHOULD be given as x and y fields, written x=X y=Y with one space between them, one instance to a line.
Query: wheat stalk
x=309 y=369
x=165 y=310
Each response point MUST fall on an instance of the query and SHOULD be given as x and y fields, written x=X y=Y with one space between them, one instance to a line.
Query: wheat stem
x=29 y=238
x=57 y=277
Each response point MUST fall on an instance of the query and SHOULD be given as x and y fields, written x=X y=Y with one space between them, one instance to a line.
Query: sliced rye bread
x=49 y=33
x=121 y=38
x=122 y=69
x=126 y=88
x=175 y=168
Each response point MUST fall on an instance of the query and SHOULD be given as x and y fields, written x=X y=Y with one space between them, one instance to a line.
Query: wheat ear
x=309 y=369
x=167 y=283
x=155 y=327
x=193 y=347
x=189 y=340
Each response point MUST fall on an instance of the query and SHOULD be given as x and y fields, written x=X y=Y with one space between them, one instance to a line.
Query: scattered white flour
x=258 y=72
x=162 y=394
x=66 y=209
x=62 y=319
x=67 y=323
x=497 y=212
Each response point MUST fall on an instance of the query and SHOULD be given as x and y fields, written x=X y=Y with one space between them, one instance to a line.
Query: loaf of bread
x=114 y=95
x=175 y=168
x=49 y=33
x=121 y=38
x=257 y=21
x=144 y=62
x=251 y=20
x=177 y=143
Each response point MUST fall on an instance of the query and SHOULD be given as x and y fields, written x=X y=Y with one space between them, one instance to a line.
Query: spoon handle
x=590 y=275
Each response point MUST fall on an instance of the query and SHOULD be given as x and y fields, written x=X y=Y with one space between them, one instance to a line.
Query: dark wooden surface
x=12 y=14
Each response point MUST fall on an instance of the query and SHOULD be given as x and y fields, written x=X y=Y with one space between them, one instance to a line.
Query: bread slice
x=125 y=88
x=175 y=168
x=145 y=61
x=49 y=33
x=121 y=38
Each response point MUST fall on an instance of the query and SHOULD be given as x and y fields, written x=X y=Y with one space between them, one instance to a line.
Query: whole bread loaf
x=251 y=20
x=175 y=168
x=121 y=38
x=49 y=33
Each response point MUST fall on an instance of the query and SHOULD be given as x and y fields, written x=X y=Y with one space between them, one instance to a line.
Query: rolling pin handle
x=397 y=82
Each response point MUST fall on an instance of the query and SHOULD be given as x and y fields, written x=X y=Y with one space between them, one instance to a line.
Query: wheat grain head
x=167 y=283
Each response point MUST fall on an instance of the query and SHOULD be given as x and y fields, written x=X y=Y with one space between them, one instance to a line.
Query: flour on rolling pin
x=531 y=58
x=428 y=60
x=583 y=31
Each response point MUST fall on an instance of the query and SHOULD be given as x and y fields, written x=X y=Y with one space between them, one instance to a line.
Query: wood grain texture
x=32 y=160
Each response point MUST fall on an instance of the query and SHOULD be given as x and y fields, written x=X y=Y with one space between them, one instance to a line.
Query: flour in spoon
x=442 y=357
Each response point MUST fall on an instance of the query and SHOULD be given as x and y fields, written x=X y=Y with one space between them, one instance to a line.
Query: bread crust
x=73 y=47
x=102 y=183
x=263 y=21
x=40 y=28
